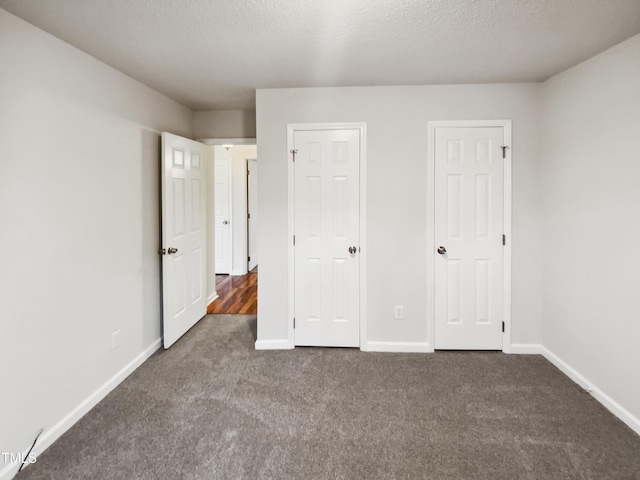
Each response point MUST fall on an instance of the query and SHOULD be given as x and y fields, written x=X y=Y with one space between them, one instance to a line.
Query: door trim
x=431 y=247
x=291 y=129
x=248 y=212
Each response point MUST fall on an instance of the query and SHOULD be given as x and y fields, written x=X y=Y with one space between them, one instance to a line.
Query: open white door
x=183 y=236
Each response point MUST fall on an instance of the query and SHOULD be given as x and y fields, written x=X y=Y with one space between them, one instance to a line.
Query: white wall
x=225 y=124
x=79 y=215
x=396 y=120
x=590 y=197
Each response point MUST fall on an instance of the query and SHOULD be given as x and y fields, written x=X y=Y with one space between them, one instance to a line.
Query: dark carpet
x=212 y=407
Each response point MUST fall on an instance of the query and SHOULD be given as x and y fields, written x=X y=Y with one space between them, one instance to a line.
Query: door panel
x=222 y=218
x=183 y=236
x=469 y=198
x=327 y=223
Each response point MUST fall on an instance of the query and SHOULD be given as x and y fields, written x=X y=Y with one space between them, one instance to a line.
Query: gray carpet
x=212 y=407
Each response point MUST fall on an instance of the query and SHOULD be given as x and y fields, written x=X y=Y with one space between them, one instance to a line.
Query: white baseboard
x=273 y=344
x=211 y=298
x=613 y=406
x=239 y=271
x=409 y=347
x=51 y=435
x=526 y=348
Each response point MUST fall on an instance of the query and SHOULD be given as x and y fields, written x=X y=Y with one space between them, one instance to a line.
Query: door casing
x=252 y=212
x=291 y=128
x=431 y=246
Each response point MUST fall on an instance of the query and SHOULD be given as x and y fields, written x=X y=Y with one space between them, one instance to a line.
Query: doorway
x=235 y=204
x=197 y=202
x=470 y=247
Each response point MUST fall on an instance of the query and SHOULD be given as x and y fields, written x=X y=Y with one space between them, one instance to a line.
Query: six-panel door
x=327 y=224
x=183 y=236
x=469 y=172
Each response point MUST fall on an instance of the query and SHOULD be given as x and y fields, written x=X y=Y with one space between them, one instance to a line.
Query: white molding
x=363 y=234
x=51 y=435
x=211 y=298
x=362 y=128
x=282 y=344
x=409 y=347
x=508 y=199
x=228 y=141
x=289 y=239
x=526 y=349
x=239 y=271
x=506 y=258
x=614 y=407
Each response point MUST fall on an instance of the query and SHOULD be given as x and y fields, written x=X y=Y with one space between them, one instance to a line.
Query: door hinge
x=294 y=239
x=504 y=151
x=504 y=239
x=248 y=215
x=248 y=259
x=293 y=153
x=502 y=327
x=294 y=322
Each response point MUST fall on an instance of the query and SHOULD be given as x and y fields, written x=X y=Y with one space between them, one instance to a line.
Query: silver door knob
x=172 y=250
x=442 y=250
x=225 y=222
x=352 y=250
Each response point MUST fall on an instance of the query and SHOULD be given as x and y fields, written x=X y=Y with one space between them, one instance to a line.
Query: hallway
x=237 y=294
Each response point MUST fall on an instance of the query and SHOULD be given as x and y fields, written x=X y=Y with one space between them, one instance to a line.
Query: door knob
x=225 y=222
x=172 y=250
x=352 y=250
x=442 y=250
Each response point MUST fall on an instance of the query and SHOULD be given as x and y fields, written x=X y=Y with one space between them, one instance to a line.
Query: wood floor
x=236 y=294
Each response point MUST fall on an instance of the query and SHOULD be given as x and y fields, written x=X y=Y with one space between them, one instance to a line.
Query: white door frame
x=291 y=129
x=431 y=246
x=254 y=214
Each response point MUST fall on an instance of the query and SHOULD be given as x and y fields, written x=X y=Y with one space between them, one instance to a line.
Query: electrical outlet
x=115 y=339
x=398 y=312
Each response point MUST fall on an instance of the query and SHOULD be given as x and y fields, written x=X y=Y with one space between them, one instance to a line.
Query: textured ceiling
x=213 y=54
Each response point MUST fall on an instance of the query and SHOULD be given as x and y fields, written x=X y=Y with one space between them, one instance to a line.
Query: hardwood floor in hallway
x=236 y=294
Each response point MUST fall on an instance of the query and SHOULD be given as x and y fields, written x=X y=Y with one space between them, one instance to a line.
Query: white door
x=252 y=212
x=327 y=227
x=183 y=236
x=222 y=220
x=469 y=196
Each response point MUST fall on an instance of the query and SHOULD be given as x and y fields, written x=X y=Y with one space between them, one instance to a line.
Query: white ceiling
x=213 y=54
